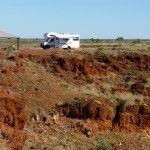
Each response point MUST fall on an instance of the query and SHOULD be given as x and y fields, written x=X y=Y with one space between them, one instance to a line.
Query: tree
x=120 y=39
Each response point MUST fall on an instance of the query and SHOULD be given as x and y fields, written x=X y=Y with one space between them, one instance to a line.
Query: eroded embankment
x=92 y=65
x=102 y=65
x=105 y=116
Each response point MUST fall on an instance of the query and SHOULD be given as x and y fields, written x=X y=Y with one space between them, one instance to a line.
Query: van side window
x=76 y=39
x=65 y=39
x=52 y=40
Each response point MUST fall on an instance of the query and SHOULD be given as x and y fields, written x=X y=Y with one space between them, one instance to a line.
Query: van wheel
x=69 y=47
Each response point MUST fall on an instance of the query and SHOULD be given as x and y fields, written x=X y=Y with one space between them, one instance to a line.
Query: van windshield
x=49 y=39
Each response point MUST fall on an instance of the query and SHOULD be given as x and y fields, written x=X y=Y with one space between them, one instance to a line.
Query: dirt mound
x=12 y=119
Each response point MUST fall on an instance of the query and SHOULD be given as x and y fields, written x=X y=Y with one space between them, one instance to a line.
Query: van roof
x=60 y=35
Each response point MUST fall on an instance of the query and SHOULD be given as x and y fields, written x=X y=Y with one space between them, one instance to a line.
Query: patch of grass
x=99 y=51
x=75 y=102
x=106 y=52
x=107 y=86
x=65 y=85
x=7 y=63
x=59 y=103
x=102 y=144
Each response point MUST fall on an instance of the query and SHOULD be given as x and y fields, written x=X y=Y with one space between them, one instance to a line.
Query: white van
x=57 y=40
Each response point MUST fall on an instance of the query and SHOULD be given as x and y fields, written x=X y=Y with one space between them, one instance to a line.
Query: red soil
x=12 y=119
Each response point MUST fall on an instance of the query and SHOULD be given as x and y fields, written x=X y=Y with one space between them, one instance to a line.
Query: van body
x=57 y=40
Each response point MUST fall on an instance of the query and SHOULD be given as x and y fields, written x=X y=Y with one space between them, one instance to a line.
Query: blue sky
x=90 y=18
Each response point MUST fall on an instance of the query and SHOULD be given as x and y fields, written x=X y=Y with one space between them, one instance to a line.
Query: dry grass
x=106 y=52
x=89 y=89
x=129 y=98
x=107 y=86
x=7 y=63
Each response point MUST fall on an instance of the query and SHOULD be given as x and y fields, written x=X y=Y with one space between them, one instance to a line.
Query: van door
x=56 y=42
x=76 y=42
